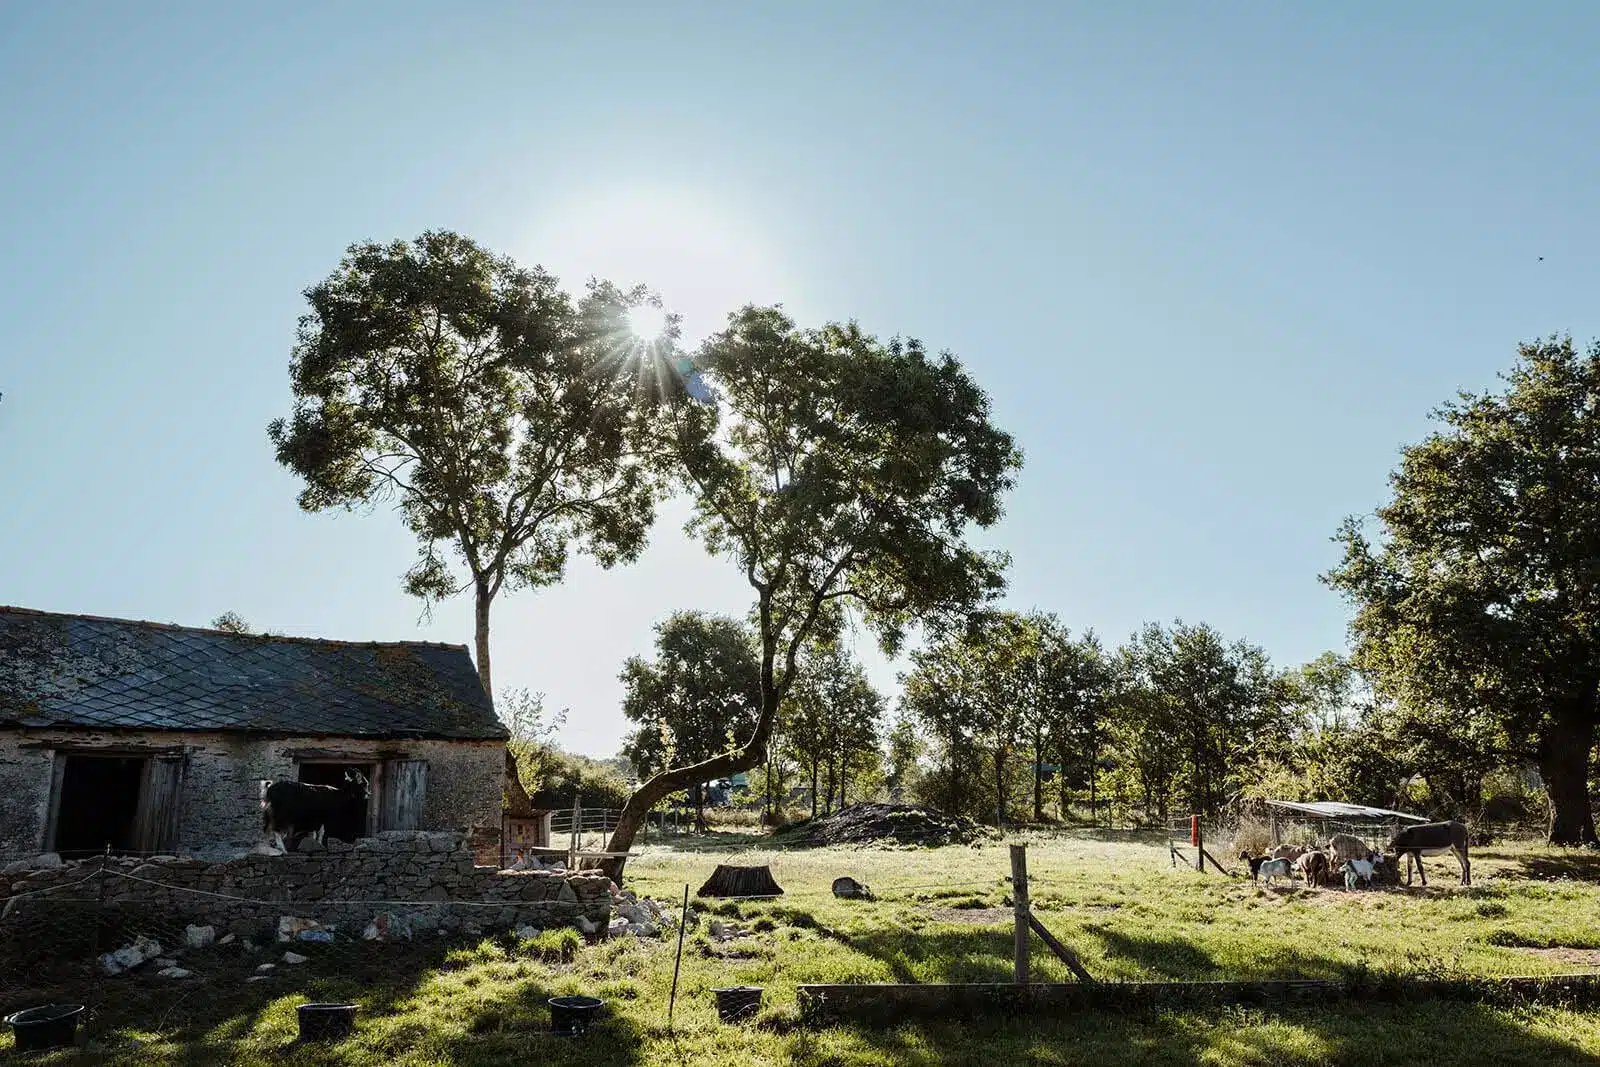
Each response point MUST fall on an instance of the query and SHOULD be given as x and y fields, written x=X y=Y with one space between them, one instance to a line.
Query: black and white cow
x=290 y=810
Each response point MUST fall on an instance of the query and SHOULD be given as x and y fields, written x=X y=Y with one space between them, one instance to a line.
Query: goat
x=1292 y=853
x=1357 y=871
x=1430 y=839
x=290 y=810
x=1345 y=847
x=1271 y=869
x=1313 y=868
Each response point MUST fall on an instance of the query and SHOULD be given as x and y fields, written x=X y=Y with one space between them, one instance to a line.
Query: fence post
x=577 y=823
x=1199 y=846
x=1019 y=898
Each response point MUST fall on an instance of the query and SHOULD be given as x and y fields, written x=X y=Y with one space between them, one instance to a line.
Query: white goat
x=1278 y=868
x=1357 y=871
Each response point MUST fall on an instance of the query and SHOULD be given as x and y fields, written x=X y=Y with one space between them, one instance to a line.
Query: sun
x=647 y=323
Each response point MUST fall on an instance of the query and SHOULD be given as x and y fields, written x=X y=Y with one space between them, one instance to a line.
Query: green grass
x=941 y=916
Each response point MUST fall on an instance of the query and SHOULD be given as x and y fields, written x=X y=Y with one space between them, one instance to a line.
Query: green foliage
x=481 y=398
x=562 y=777
x=831 y=725
x=838 y=472
x=1478 y=608
x=699 y=695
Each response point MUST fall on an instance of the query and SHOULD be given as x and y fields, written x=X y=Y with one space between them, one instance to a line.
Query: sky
x=1213 y=267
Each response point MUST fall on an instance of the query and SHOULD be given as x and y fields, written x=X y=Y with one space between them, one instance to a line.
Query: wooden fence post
x=1019 y=898
x=1199 y=846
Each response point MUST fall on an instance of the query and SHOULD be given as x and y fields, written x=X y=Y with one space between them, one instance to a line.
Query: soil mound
x=888 y=824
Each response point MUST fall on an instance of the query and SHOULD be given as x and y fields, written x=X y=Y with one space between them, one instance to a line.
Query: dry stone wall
x=420 y=880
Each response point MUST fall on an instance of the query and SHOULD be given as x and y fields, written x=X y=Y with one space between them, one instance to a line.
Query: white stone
x=226 y=939
x=294 y=957
x=264 y=968
x=174 y=972
x=259 y=978
x=199 y=936
x=527 y=933
x=163 y=964
x=18 y=867
x=48 y=861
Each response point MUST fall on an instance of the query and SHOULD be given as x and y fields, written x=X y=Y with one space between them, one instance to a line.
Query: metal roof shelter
x=1333 y=809
x=88 y=672
x=1313 y=822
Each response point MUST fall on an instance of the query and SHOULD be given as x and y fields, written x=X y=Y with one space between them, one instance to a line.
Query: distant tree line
x=842 y=474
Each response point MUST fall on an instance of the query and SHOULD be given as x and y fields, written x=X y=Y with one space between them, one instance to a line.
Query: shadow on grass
x=1581 y=866
x=1352 y=1034
x=459 y=1001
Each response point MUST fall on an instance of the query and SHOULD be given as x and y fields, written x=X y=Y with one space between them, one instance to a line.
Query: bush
x=554 y=779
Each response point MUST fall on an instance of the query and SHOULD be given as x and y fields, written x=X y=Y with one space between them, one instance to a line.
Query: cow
x=291 y=810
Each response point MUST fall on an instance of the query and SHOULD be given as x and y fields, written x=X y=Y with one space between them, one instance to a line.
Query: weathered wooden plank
x=160 y=805
x=405 y=789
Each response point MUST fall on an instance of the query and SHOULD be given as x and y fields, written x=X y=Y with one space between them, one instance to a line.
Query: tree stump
x=730 y=881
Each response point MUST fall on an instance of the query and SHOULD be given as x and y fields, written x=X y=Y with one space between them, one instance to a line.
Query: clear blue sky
x=1214 y=268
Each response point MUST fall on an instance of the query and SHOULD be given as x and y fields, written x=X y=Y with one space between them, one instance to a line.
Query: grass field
x=942 y=916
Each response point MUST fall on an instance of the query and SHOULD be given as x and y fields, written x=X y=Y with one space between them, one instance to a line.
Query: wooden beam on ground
x=891 y=1004
x=1220 y=868
x=1069 y=957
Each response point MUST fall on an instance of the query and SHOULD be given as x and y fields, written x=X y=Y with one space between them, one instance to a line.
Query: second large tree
x=1483 y=596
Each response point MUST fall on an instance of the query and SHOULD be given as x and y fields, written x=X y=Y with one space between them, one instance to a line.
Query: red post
x=1194 y=830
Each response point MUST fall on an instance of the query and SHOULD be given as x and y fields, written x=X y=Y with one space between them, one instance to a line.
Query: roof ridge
x=179 y=628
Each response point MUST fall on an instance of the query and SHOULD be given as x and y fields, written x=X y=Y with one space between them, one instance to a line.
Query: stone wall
x=426 y=879
x=221 y=809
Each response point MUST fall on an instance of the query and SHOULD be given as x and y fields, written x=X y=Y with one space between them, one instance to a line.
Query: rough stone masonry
x=426 y=878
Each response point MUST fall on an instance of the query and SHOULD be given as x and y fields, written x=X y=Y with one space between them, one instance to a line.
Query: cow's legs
x=1422 y=871
x=1466 y=866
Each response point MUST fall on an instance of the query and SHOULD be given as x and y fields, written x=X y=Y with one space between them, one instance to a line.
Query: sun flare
x=647 y=323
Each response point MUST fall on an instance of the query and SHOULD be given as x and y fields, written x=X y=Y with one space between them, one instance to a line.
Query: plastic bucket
x=570 y=1016
x=47 y=1027
x=738 y=1003
x=326 y=1022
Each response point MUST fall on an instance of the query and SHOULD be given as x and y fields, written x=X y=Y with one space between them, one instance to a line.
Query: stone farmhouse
x=152 y=738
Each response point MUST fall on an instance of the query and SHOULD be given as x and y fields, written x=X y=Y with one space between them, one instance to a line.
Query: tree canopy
x=482 y=399
x=1481 y=596
x=833 y=469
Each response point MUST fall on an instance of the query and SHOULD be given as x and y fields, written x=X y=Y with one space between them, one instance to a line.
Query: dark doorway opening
x=349 y=820
x=99 y=804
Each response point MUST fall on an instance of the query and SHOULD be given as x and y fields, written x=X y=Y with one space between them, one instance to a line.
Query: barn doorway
x=351 y=820
x=99 y=804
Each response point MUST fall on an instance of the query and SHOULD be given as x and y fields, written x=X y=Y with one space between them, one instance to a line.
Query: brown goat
x=1314 y=867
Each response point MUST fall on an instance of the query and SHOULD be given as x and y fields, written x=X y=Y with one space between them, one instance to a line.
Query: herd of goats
x=1348 y=855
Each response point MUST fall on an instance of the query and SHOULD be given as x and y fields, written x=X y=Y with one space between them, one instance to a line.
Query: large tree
x=695 y=699
x=1482 y=594
x=483 y=400
x=834 y=469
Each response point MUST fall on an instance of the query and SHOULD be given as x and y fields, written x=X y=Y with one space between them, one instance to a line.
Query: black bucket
x=571 y=1016
x=738 y=1003
x=52 y=1026
x=326 y=1022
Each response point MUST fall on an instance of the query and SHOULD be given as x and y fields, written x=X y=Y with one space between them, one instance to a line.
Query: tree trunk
x=669 y=781
x=516 y=797
x=698 y=798
x=999 y=787
x=815 y=784
x=1038 y=779
x=1094 y=772
x=1564 y=765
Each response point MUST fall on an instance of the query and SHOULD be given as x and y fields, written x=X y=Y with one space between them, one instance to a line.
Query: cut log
x=731 y=881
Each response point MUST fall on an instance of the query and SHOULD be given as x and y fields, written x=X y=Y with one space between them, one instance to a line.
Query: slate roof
x=79 y=670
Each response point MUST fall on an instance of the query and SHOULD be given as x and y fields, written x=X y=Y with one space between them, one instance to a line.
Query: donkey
x=1430 y=839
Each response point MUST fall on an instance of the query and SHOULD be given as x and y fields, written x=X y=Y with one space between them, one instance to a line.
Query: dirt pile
x=889 y=824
